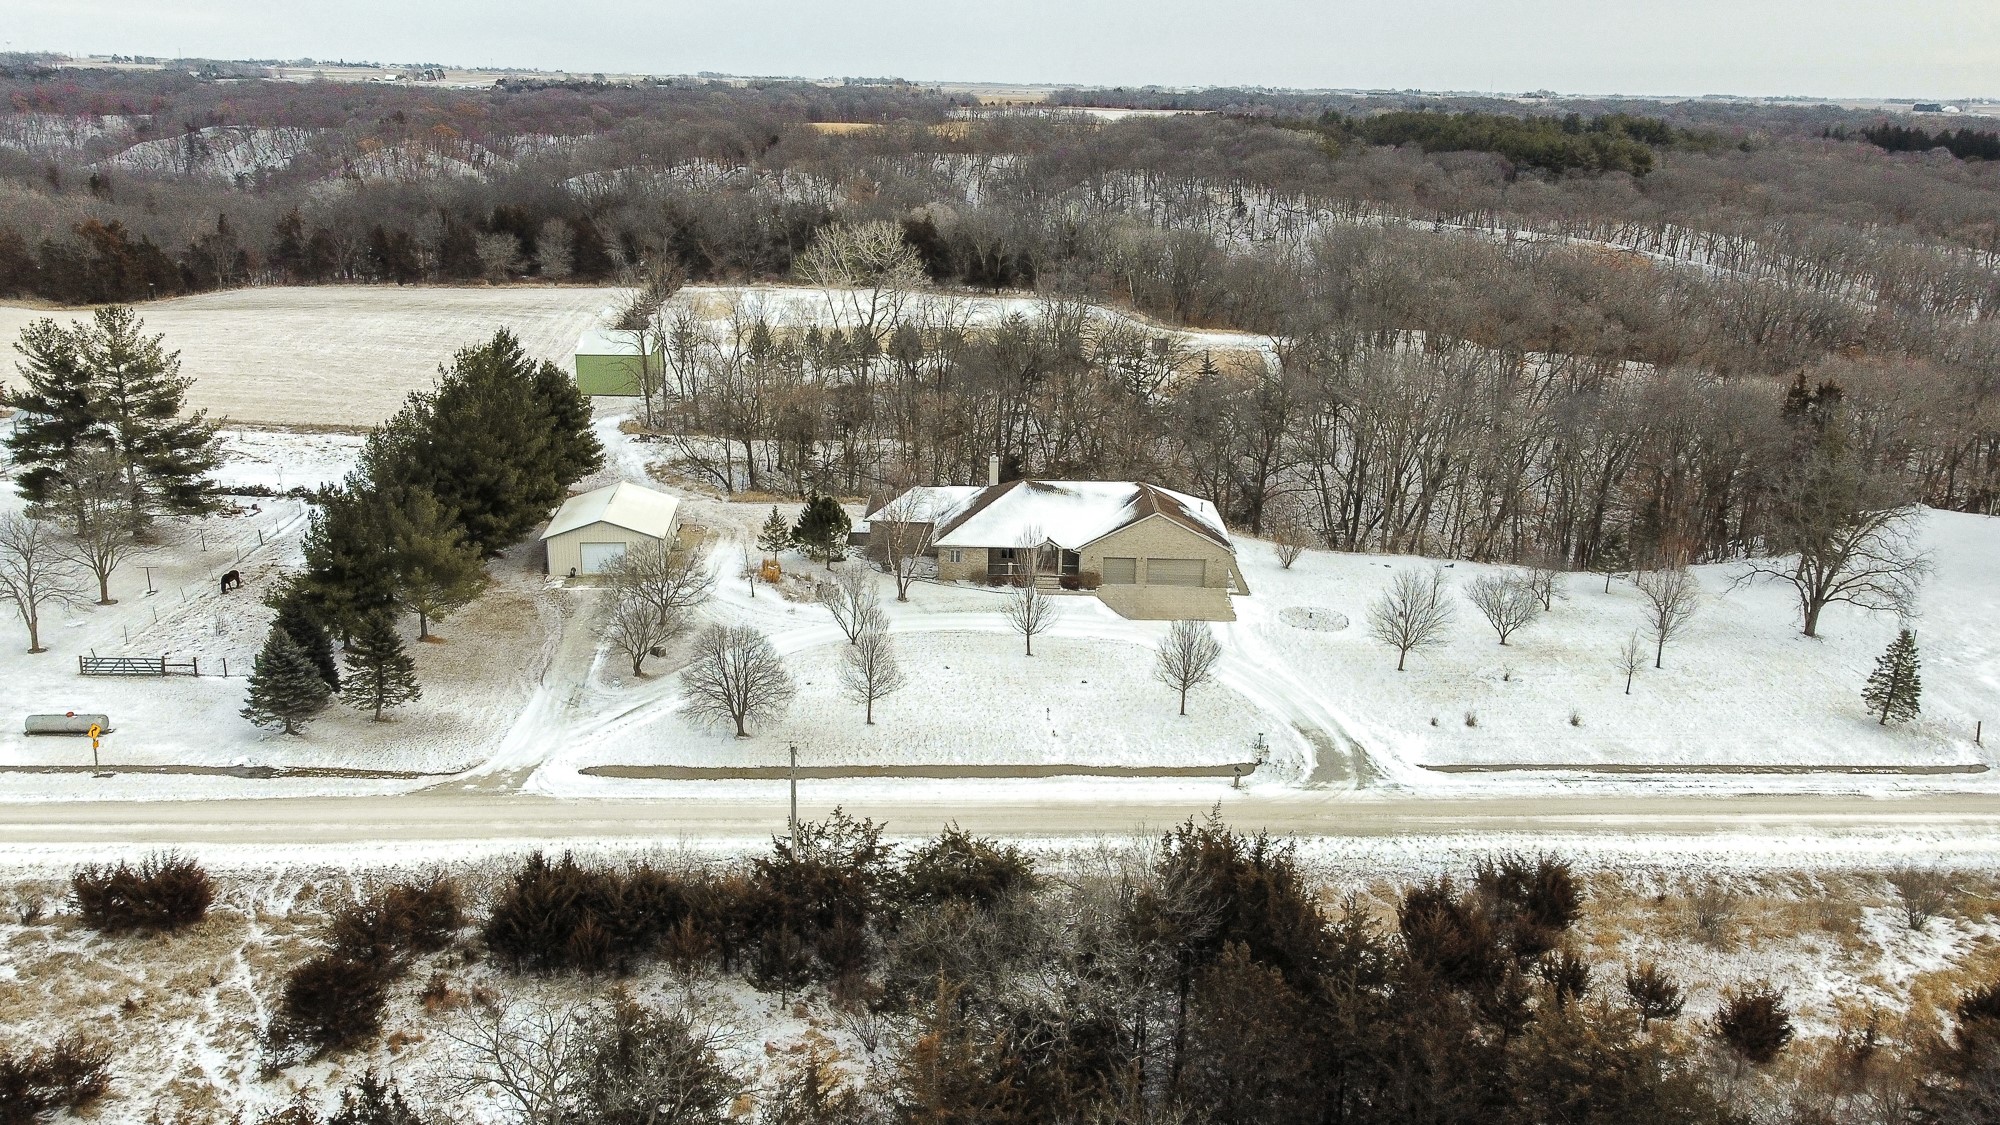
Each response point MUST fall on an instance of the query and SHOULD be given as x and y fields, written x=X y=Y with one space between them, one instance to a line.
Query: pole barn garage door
x=599 y=557
x=1175 y=572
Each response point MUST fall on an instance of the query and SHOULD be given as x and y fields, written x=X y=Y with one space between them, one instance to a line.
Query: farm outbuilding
x=592 y=531
x=608 y=362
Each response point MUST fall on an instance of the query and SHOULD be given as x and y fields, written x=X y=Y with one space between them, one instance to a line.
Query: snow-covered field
x=345 y=357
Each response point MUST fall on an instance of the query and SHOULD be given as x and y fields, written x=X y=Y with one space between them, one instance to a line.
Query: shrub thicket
x=69 y=1074
x=165 y=892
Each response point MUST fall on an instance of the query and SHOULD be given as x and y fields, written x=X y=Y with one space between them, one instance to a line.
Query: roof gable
x=631 y=506
x=1069 y=514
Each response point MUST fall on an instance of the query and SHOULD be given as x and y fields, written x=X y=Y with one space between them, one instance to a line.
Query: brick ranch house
x=1155 y=554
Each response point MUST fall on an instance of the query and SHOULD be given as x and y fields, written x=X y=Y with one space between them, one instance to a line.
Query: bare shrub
x=165 y=892
x=1712 y=906
x=1925 y=892
x=1753 y=1023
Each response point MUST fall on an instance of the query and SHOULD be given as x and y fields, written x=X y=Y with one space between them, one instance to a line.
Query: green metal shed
x=607 y=362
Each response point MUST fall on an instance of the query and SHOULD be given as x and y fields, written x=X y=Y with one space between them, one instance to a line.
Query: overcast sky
x=1853 y=48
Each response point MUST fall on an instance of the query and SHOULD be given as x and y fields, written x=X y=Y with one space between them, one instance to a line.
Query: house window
x=1121 y=572
x=955 y=555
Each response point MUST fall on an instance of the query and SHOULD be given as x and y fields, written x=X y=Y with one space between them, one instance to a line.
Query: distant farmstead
x=1148 y=552
x=608 y=362
x=592 y=531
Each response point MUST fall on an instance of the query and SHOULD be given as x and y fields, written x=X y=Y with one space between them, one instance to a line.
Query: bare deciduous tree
x=869 y=669
x=908 y=534
x=1507 y=601
x=1413 y=613
x=94 y=507
x=555 y=244
x=1631 y=658
x=666 y=576
x=1546 y=582
x=35 y=571
x=533 y=1054
x=854 y=600
x=1187 y=657
x=735 y=678
x=1869 y=559
x=868 y=270
x=636 y=628
x=1030 y=611
x=1671 y=598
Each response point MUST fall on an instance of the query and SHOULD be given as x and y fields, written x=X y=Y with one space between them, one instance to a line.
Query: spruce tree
x=297 y=618
x=379 y=673
x=1894 y=687
x=286 y=691
x=822 y=529
x=776 y=534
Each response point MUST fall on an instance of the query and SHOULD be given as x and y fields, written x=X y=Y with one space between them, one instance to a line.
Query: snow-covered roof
x=633 y=507
x=1068 y=513
x=932 y=503
x=601 y=339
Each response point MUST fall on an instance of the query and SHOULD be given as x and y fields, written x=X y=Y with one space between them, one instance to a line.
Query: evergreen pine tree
x=776 y=534
x=433 y=569
x=55 y=418
x=285 y=689
x=822 y=529
x=138 y=393
x=297 y=619
x=1894 y=686
x=497 y=442
x=348 y=570
x=379 y=673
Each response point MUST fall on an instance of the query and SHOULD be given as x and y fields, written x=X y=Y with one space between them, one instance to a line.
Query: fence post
x=225 y=667
x=79 y=664
x=194 y=664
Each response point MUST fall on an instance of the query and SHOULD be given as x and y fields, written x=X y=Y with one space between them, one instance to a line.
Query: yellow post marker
x=96 y=732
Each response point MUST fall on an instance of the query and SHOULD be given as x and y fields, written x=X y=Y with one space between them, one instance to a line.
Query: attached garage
x=592 y=531
x=1176 y=572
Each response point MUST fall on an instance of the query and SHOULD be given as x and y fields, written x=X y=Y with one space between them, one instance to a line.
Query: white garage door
x=599 y=557
x=1176 y=572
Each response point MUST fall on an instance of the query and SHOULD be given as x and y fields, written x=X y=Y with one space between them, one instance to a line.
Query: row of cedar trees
x=1201 y=981
x=462 y=472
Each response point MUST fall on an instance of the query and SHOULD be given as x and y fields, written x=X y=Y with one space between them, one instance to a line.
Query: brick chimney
x=993 y=469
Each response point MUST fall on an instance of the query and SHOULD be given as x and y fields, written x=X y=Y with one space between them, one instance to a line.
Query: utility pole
x=792 y=824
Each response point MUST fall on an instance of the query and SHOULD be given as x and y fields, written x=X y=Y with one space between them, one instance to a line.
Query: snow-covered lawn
x=1742 y=688
x=972 y=698
x=522 y=695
